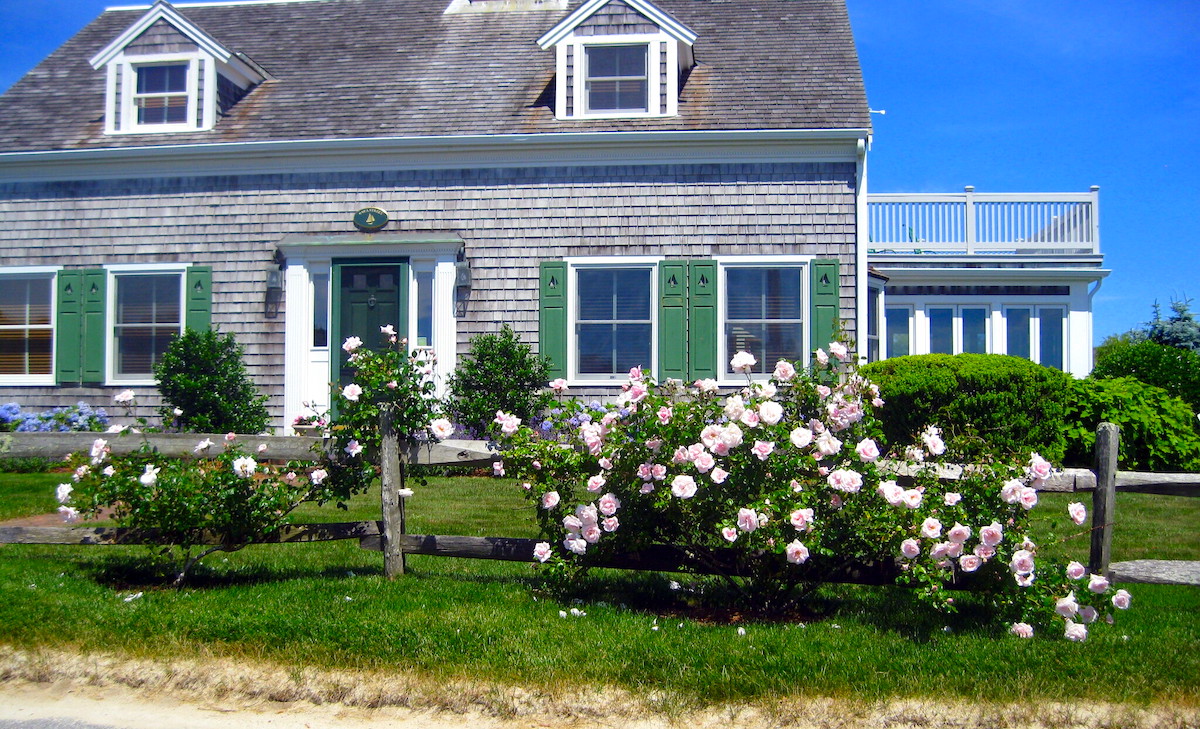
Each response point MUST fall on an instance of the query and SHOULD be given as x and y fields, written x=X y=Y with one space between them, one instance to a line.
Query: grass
x=328 y=606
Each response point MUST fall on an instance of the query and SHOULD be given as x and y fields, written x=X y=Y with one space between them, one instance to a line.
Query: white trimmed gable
x=619 y=59
x=165 y=74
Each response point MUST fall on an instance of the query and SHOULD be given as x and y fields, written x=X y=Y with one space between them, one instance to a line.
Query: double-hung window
x=614 y=320
x=616 y=78
x=1036 y=333
x=764 y=314
x=147 y=313
x=26 y=327
x=162 y=94
x=957 y=329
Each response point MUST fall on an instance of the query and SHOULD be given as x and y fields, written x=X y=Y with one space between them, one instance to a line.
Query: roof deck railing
x=985 y=222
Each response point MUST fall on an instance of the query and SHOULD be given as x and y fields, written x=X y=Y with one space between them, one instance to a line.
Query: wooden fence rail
x=388 y=534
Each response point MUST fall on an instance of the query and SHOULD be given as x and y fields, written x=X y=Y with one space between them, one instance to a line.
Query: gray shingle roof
x=384 y=68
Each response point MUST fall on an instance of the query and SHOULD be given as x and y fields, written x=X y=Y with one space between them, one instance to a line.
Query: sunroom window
x=162 y=94
x=614 y=324
x=616 y=78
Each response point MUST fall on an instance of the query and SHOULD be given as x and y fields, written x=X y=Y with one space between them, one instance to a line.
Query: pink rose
x=572 y=523
x=591 y=533
x=718 y=475
x=1024 y=580
x=1077 y=512
x=498 y=469
x=352 y=392
x=635 y=374
x=1121 y=599
x=867 y=449
x=951 y=498
x=801 y=437
x=1021 y=630
x=912 y=498
x=711 y=435
x=743 y=363
x=318 y=476
x=729 y=533
x=762 y=449
x=1028 y=497
x=822 y=357
x=550 y=499
x=704 y=462
x=802 y=519
x=1066 y=606
x=1076 y=571
x=664 y=415
x=351 y=344
x=931 y=528
x=827 y=445
x=541 y=551
x=770 y=412
x=610 y=524
x=992 y=534
x=1097 y=583
x=1088 y=614
x=784 y=370
x=1075 y=631
x=559 y=385
x=823 y=391
x=595 y=483
x=575 y=544
x=890 y=492
x=796 y=552
x=683 y=487
x=910 y=548
x=681 y=455
x=605 y=463
x=707 y=386
x=969 y=562
x=749 y=418
x=959 y=533
x=844 y=479
x=1039 y=469
x=1022 y=562
x=837 y=349
x=609 y=503
x=747 y=520
x=654 y=444
x=658 y=471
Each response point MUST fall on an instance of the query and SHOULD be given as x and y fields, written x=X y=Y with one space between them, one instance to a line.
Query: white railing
x=985 y=222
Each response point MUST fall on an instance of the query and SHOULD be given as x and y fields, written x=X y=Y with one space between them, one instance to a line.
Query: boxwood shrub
x=984 y=403
x=1173 y=369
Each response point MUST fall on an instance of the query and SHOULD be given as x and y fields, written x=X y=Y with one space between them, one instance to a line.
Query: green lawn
x=327 y=605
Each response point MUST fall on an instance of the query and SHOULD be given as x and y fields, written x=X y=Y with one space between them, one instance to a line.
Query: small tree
x=500 y=373
x=1180 y=329
x=202 y=375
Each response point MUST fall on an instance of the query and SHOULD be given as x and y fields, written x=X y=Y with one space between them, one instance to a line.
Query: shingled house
x=623 y=181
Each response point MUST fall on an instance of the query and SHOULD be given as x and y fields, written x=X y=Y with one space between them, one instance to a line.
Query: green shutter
x=68 y=328
x=552 y=321
x=672 y=320
x=94 y=333
x=702 y=319
x=198 y=300
x=823 y=298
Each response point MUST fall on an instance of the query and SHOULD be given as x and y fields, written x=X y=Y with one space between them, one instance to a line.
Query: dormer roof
x=664 y=21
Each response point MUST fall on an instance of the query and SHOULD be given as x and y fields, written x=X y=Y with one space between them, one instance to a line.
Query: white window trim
x=125 y=68
x=885 y=344
x=657 y=44
x=50 y=272
x=650 y=263
x=880 y=324
x=110 y=314
x=956 y=325
x=724 y=263
x=1035 y=330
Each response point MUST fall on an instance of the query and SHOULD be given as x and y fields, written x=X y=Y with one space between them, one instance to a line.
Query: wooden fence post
x=392 y=505
x=1108 y=440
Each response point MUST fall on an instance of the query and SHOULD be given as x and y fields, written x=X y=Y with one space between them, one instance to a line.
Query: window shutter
x=68 y=327
x=552 y=320
x=672 y=320
x=702 y=319
x=94 y=336
x=198 y=298
x=823 y=297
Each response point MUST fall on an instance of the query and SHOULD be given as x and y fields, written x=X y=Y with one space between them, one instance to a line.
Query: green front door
x=367 y=296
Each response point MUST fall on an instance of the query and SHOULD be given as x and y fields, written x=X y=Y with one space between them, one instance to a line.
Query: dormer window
x=618 y=59
x=616 y=78
x=162 y=94
x=164 y=74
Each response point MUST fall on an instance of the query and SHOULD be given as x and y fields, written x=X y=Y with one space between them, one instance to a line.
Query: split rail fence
x=388 y=534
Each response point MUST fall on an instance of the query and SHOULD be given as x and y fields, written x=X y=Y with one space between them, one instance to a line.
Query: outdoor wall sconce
x=274 y=291
x=462 y=287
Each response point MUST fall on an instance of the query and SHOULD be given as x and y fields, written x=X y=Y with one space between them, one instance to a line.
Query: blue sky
x=1005 y=95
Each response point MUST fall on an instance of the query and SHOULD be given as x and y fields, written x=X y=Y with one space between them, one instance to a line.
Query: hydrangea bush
x=783 y=485
x=73 y=418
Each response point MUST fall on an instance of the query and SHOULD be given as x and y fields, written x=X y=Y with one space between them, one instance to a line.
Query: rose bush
x=781 y=486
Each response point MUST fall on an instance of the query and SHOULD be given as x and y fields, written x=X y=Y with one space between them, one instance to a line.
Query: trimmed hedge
x=984 y=403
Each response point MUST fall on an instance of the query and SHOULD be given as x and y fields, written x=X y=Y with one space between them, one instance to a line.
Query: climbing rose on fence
x=784 y=481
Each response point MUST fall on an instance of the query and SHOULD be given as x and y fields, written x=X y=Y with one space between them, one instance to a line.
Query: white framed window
x=763 y=312
x=898 y=330
x=27 y=309
x=161 y=94
x=616 y=78
x=874 y=348
x=145 y=311
x=613 y=319
x=1037 y=333
x=956 y=329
